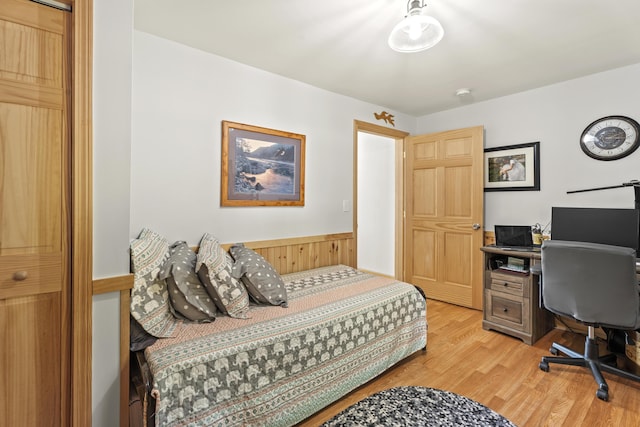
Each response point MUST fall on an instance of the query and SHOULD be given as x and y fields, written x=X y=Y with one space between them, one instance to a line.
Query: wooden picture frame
x=261 y=166
x=512 y=167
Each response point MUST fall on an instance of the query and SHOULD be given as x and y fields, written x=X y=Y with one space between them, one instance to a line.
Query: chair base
x=589 y=359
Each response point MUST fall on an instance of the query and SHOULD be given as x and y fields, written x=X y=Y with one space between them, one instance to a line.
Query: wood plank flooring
x=502 y=373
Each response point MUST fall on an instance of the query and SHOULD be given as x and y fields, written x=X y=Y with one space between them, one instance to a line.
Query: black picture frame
x=512 y=167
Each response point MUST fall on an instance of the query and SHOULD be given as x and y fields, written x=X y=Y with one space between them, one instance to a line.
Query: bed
x=342 y=328
x=235 y=343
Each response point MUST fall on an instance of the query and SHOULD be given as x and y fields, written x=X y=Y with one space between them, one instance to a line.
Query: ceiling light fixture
x=416 y=32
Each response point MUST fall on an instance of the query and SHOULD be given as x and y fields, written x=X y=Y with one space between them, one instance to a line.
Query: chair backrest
x=595 y=284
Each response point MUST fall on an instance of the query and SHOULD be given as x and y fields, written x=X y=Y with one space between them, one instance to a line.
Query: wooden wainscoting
x=303 y=253
x=489 y=238
x=286 y=255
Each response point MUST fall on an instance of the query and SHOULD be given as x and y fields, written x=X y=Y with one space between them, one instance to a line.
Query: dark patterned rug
x=417 y=406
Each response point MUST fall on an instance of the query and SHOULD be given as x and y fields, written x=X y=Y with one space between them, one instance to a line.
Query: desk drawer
x=507 y=310
x=511 y=284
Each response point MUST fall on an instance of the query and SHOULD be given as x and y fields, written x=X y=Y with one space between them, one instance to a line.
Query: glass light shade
x=415 y=33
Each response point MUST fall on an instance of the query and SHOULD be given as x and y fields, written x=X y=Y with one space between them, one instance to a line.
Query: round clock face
x=610 y=138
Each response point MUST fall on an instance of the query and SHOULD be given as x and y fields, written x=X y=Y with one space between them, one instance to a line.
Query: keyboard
x=514 y=269
x=520 y=248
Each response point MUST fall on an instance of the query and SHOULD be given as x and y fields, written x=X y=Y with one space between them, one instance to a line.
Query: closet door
x=34 y=215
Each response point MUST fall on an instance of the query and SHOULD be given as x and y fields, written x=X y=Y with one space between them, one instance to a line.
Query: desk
x=511 y=300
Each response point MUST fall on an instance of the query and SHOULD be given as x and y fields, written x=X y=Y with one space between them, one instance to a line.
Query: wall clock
x=610 y=138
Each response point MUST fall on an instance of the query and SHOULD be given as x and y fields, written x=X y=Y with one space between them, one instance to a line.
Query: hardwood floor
x=502 y=373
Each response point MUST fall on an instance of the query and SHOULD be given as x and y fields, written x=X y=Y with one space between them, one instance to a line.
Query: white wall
x=555 y=115
x=180 y=97
x=113 y=29
x=105 y=378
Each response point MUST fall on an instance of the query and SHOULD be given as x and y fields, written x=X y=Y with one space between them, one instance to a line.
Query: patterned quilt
x=342 y=328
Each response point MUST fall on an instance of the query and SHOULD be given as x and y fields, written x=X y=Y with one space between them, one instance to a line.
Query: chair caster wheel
x=602 y=394
x=544 y=366
x=554 y=351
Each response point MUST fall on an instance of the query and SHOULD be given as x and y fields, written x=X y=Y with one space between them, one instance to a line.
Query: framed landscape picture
x=261 y=167
x=512 y=167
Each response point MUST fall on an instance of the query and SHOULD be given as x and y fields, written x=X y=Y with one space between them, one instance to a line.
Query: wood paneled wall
x=489 y=238
x=303 y=253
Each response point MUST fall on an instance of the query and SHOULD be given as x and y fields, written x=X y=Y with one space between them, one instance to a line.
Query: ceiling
x=493 y=47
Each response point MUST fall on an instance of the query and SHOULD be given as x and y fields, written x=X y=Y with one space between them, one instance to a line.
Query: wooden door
x=34 y=215
x=444 y=215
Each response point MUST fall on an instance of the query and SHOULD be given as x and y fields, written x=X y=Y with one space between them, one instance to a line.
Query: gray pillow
x=149 y=296
x=259 y=277
x=187 y=295
x=139 y=339
x=214 y=269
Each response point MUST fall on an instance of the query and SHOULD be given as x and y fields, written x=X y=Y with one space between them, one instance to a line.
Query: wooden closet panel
x=31 y=186
x=33 y=46
x=42 y=64
x=35 y=307
x=30 y=361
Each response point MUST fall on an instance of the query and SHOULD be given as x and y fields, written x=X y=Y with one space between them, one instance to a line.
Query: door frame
x=398 y=136
x=81 y=238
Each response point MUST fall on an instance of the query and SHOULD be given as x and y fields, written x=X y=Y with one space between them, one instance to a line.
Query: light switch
x=346 y=206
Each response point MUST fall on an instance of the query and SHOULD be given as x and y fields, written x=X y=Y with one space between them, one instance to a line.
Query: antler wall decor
x=386 y=117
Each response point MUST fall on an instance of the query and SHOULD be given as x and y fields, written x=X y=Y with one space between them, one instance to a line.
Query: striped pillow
x=214 y=269
x=149 y=296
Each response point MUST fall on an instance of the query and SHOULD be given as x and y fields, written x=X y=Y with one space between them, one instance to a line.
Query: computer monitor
x=610 y=226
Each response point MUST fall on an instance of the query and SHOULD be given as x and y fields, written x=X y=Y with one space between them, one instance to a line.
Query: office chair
x=596 y=285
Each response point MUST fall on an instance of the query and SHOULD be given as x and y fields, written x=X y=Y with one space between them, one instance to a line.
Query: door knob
x=476 y=226
x=19 y=276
